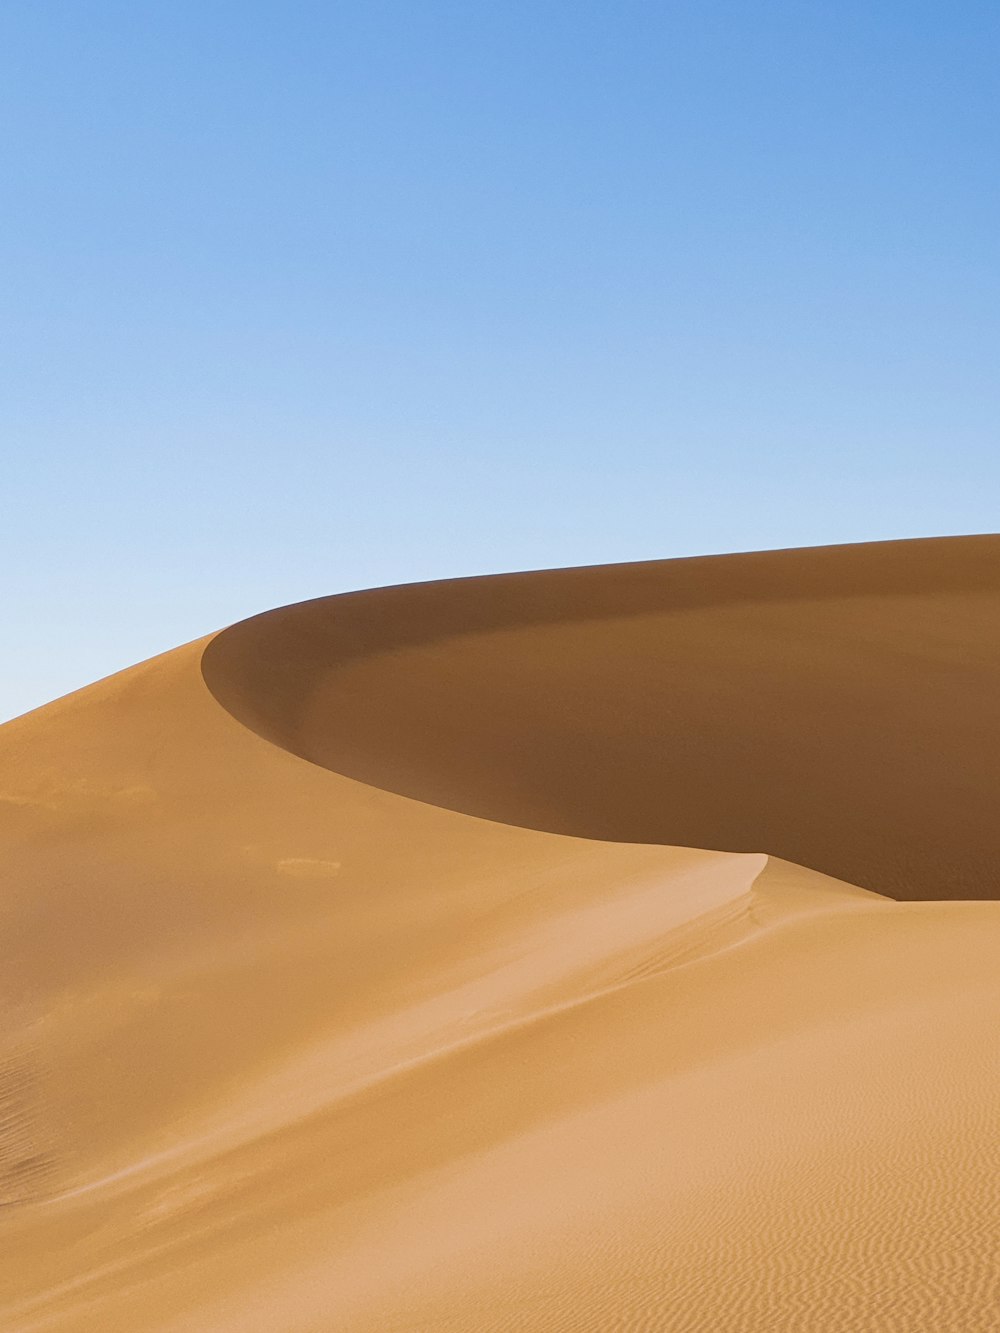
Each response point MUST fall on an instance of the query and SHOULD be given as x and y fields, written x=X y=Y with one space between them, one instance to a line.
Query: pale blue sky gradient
x=303 y=297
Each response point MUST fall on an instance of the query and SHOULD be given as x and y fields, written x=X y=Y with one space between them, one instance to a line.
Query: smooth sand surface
x=292 y=1039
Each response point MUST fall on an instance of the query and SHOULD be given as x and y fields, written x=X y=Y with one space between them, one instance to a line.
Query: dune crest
x=836 y=707
x=282 y=1048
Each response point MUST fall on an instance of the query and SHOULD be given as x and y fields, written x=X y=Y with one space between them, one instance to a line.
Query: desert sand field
x=607 y=950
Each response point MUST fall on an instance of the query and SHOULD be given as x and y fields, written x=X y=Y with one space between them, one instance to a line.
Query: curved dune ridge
x=837 y=706
x=444 y=1029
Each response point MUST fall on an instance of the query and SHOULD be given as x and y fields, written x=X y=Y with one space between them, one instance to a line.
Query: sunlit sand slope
x=280 y=1050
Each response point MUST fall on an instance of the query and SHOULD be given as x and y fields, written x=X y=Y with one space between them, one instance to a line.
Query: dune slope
x=285 y=1049
x=837 y=706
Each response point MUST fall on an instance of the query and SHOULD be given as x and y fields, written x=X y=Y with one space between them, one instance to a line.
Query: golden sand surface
x=362 y=970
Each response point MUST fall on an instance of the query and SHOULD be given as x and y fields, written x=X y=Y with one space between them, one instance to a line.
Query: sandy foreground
x=361 y=973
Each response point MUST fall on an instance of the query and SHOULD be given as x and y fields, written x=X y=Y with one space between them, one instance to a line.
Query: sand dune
x=837 y=706
x=361 y=971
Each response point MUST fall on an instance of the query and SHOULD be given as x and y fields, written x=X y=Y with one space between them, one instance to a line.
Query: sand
x=362 y=969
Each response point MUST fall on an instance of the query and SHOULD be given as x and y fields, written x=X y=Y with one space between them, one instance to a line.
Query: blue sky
x=303 y=297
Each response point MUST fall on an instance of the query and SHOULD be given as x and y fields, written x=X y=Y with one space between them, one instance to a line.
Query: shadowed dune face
x=837 y=707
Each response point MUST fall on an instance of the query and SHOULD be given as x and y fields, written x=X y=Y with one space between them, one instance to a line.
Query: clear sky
x=303 y=297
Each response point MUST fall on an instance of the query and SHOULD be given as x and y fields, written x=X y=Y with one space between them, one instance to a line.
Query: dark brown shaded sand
x=838 y=707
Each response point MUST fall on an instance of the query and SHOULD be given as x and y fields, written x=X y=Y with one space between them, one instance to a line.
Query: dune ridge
x=283 y=1048
x=821 y=704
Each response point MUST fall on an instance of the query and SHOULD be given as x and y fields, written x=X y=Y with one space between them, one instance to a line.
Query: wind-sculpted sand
x=326 y=1008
